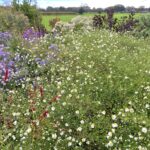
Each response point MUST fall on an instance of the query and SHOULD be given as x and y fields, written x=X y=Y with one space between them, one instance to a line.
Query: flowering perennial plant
x=77 y=90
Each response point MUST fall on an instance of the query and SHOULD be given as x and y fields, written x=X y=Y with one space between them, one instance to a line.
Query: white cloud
x=92 y=3
x=57 y=3
x=106 y=3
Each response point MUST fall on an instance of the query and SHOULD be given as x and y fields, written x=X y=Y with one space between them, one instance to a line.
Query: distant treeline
x=58 y=13
x=116 y=8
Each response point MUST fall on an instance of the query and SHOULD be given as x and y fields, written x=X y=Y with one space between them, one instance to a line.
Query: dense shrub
x=119 y=25
x=99 y=21
x=143 y=28
x=127 y=24
x=30 y=11
x=53 y=22
x=81 y=10
x=77 y=23
x=13 y=21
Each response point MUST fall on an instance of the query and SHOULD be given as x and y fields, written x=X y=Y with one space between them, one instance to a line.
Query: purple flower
x=53 y=47
x=32 y=34
x=4 y=38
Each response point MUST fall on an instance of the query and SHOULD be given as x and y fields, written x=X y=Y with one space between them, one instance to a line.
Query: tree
x=49 y=8
x=119 y=8
x=99 y=10
x=28 y=8
x=61 y=8
x=15 y=4
x=130 y=9
x=81 y=10
x=141 y=9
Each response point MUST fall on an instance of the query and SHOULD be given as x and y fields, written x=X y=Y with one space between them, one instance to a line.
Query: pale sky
x=91 y=3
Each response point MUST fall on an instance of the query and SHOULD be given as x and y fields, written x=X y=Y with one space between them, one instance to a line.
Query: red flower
x=54 y=99
x=41 y=91
x=6 y=74
x=45 y=113
x=32 y=109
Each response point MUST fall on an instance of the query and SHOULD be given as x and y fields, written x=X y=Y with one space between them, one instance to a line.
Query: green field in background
x=68 y=17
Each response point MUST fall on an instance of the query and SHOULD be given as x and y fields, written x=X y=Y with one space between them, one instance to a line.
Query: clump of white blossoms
x=79 y=129
x=16 y=114
x=92 y=125
x=64 y=103
x=104 y=112
x=114 y=125
x=29 y=130
x=144 y=130
x=69 y=144
x=83 y=139
x=110 y=144
x=82 y=121
x=15 y=123
x=109 y=135
x=66 y=124
x=77 y=112
x=53 y=108
x=147 y=106
x=127 y=110
x=114 y=117
x=54 y=136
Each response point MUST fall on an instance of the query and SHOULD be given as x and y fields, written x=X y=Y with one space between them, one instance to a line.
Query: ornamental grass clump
x=14 y=22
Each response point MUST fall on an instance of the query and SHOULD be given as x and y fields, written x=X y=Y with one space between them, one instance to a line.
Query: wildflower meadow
x=80 y=86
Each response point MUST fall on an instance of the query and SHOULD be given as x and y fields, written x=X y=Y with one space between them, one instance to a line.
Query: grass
x=46 y=18
x=67 y=18
x=64 y=18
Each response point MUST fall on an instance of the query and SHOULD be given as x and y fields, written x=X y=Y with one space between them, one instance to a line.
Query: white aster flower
x=54 y=136
x=104 y=112
x=82 y=121
x=110 y=144
x=109 y=135
x=69 y=144
x=114 y=125
x=53 y=108
x=92 y=125
x=83 y=139
x=114 y=117
x=79 y=129
x=144 y=130
x=77 y=112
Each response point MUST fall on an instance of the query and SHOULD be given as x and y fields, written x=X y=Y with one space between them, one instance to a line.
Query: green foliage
x=124 y=24
x=53 y=22
x=143 y=28
x=15 y=4
x=13 y=21
x=81 y=10
x=30 y=11
x=78 y=26
x=95 y=95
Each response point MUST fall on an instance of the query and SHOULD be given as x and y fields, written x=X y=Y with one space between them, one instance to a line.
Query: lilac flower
x=31 y=34
x=4 y=37
x=53 y=47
